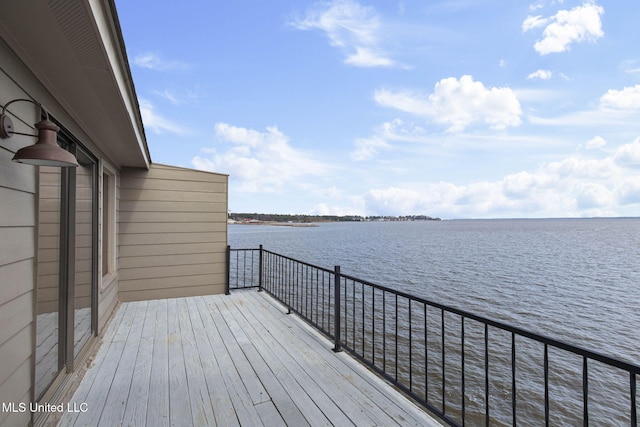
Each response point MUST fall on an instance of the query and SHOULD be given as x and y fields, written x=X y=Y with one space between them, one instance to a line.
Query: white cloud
x=571 y=187
x=629 y=155
x=404 y=101
x=540 y=74
x=352 y=27
x=596 y=142
x=459 y=103
x=630 y=66
x=533 y=22
x=366 y=148
x=185 y=97
x=156 y=122
x=260 y=161
x=582 y=23
x=152 y=61
x=625 y=99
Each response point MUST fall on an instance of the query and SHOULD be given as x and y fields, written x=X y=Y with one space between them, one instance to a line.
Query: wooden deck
x=228 y=360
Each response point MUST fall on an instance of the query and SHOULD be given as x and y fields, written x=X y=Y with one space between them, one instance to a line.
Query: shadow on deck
x=228 y=360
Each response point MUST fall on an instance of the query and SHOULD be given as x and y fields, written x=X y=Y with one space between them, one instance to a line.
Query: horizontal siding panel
x=147 y=217
x=174 y=292
x=15 y=316
x=172 y=282
x=173 y=259
x=168 y=239
x=20 y=240
x=172 y=227
x=175 y=185
x=46 y=268
x=171 y=196
x=184 y=248
x=14 y=389
x=49 y=229
x=15 y=175
x=16 y=280
x=169 y=206
x=17 y=201
x=13 y=354
x=166 y=271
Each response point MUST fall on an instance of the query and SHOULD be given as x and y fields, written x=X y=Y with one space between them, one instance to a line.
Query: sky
x=453 y=109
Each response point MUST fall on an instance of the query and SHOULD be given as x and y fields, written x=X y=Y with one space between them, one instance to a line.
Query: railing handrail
x=609 y=360
x=336 y=281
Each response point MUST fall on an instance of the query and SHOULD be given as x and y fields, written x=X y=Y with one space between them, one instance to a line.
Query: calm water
x=573 y=280
x=576 y=280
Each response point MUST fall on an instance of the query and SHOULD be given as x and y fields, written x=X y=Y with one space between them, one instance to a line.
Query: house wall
x=29 y=237
x=18 y=185
x=172 y=233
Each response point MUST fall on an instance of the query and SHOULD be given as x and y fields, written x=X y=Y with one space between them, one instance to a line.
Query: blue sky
x=455 y=109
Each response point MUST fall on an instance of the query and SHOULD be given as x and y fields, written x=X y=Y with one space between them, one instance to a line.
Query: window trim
x=108 y=218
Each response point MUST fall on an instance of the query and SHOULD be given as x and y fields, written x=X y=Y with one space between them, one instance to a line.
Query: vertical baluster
x=513 y=379
x=462 y=367
x=373 y=325
x=384 y=331
x=486 y=375
x=336 y=304
x=585 y=391
x=634 y=410
x=546 y=385
x=353 y=312
x=410 y=349
x=444 y=368
x=396 y=339
x=426 y=354
x=362 y=302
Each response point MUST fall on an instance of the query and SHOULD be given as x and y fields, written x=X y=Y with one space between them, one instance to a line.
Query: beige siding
x=17 y=260
x=48 y=240
x=172 y=233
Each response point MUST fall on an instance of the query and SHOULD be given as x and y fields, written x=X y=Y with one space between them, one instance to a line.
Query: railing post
x=336 y=308
x=260 y=270
x=227 y=290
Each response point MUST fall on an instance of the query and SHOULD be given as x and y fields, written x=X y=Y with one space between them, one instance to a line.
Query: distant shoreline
x=274 y=223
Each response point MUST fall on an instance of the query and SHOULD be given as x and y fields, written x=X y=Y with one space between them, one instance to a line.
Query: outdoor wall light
x=46 y=151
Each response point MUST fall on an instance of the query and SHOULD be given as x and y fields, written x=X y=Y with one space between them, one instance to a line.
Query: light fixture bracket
x=6 y=126
x=46 y=151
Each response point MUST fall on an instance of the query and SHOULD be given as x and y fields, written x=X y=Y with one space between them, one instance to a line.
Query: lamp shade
x=46 y=151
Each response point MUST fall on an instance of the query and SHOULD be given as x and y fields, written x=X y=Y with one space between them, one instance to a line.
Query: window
x=108 y=221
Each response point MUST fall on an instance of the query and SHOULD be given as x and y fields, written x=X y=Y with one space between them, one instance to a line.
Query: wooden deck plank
x=198 y=392
x=179 y=404
x=252 y=383
x=312 y=401
x=268 y=375
x=136 y=408
x=218 y=393
x=118 y=394
x=158 y=403
x=246 y=412
x=334 y=383
x=332 y=392
x=229 y=360
x=371 y=392
x=97 y=381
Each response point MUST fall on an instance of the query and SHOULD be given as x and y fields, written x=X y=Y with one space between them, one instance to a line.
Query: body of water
x=575 y=280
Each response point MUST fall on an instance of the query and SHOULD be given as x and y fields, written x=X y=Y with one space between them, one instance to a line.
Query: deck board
x=235 y=360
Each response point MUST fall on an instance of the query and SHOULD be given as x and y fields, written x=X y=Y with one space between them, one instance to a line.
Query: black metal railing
x=465 y=368
x=243 y=268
